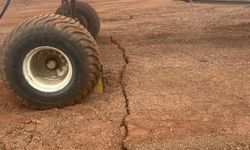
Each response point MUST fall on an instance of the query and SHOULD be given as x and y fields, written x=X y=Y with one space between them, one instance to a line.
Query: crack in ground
x=32 y=133
x=124 y=55
x=123 y=87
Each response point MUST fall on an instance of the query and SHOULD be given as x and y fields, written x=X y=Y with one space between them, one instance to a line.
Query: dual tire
x=87 y=16
x=51 y=61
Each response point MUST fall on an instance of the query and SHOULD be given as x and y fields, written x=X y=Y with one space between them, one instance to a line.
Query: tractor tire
x=50 y=61
x=87 y=16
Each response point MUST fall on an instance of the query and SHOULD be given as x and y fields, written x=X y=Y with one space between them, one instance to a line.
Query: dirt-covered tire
x=50 y=61
x=87 y=16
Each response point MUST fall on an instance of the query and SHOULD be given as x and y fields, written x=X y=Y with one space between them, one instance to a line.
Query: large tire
x=87 y=17
x=57 y=47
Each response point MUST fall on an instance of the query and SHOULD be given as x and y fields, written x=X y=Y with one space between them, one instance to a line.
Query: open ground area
x=178 y=77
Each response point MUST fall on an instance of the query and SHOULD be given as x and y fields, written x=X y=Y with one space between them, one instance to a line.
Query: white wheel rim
x=47 y=69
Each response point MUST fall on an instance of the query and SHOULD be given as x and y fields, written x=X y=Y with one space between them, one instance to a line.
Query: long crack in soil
x=123 y=87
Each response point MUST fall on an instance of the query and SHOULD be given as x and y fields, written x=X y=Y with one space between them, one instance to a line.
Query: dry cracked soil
x=178 y=78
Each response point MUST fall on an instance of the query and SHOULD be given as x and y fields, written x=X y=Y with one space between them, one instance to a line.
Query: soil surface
x=178 y=78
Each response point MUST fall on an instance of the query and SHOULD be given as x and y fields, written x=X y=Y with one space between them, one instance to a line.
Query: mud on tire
x=53 y=41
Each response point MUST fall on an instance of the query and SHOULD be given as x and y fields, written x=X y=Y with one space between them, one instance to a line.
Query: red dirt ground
x=186 y=84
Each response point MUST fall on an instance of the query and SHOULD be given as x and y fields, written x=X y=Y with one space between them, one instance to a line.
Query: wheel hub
x=47 y=69
x=51 y=64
